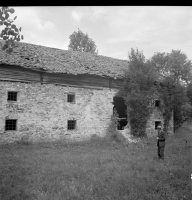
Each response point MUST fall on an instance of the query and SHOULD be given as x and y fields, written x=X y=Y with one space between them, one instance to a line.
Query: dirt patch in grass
x=98 y=170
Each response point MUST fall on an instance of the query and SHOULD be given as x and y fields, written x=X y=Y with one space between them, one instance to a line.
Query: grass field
x=98 y=169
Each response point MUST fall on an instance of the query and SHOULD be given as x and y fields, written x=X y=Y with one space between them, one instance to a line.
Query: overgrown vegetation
x=165 y=75
x=97 y=170
x=175 y=71
x=138 y=90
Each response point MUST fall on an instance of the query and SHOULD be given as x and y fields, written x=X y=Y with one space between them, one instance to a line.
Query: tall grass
x=97 y=170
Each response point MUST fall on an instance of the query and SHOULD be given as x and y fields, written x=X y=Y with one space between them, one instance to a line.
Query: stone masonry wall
x=42 y=111
x=157 y=116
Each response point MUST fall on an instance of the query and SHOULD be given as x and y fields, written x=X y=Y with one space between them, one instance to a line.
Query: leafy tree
x=175 y=68
x=174 y=64
x=175 y=101
x=189 y=95
x=10 y=33
x=138 y=90
x=189 y=92
x=168 y=75
x=80 y=41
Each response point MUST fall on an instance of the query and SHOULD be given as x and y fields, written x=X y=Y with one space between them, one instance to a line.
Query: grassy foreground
x=98 y=169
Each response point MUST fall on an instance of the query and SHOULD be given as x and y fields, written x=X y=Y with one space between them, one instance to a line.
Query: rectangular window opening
x=157 y=103
x=12 y=96
x=71 y=124
x=157 y=123
x=121 y=109
x=10 y=125
x=71 y=98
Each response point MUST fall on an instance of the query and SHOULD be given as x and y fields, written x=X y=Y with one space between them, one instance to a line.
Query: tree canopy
x=174 y=64
x=165 y=74
x=177 y=75
x=137 y=91
x=10 y=33
x=80 y=41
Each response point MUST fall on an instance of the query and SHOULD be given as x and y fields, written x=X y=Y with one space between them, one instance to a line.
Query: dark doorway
x=119 y=105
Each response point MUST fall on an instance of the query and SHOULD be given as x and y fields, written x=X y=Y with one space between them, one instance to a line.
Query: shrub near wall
x=138 y=90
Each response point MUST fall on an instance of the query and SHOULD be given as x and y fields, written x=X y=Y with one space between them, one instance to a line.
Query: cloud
x=27 y=17
x=34 y=28
x=120 y=55
x=149 y=24
x=96 y=13
x=115 y=29
x=151 y=29
x=89 y=13
x=129 y=38
x=46 y=25
x=77 y=15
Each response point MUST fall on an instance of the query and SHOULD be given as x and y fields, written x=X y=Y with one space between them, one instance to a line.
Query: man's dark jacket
x=161 y=139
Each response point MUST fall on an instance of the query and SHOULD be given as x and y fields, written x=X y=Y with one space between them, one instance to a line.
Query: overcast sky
x=115 y=29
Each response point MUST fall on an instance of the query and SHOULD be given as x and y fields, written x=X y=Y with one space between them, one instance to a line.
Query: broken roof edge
x=42 y=70
x=63 y=61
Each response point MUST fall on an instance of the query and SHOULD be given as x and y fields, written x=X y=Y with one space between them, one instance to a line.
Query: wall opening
x=12 y=96
x=71 y=124
x=121 y=108
x=157 y=123
x=71 y=98
x=10 y=125
x=157 y=103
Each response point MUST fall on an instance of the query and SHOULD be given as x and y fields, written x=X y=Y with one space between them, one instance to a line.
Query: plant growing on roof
x=80 y=41
x=10 y=33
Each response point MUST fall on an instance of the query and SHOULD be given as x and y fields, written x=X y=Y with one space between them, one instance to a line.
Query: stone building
x=48 y=94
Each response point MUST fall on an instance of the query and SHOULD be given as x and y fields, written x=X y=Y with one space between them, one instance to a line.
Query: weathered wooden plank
x=17 y=73
x=84 y=78
x=20 y=68
x=116 y=83
x=14 y=77
x=15 y=80
x=75 y=80
x=81 y=86
x=12 y=73
x=19 y=78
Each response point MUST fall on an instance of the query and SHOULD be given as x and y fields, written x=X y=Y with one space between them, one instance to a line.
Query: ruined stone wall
x=157 y=115
x=42 y=111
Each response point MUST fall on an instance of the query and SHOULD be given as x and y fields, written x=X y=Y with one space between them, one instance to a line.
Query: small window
x=71 y=125
x=157 y=103
x=12 y=96
x=157 y=123
x=71 y=98
x=10 y=125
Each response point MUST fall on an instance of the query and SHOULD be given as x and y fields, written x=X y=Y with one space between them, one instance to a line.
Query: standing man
x=160 y=142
